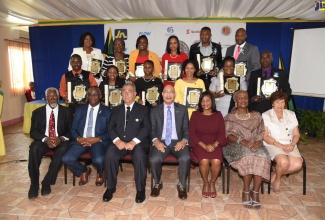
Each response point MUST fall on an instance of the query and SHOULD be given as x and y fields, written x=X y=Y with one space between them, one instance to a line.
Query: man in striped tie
x=89 y=134
x=169 y=135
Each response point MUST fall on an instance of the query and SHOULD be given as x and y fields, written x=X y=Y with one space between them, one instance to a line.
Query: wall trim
x=12 y=121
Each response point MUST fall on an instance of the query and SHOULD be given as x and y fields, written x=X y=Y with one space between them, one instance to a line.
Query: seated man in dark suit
x=262 y=103
x=169 y=135
x=129 y=129
x=89 y=133
x=50 y=130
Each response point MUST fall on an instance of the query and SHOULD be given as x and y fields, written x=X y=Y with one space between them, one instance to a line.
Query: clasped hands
x=53 y=142
x=161 y=146
x=253 y=146
x=87 y=142
x=124 y=145
x=209 y=147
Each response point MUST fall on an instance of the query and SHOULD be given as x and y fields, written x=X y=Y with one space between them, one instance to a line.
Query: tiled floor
x=85 y=202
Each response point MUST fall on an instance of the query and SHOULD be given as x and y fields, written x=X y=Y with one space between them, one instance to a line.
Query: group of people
x=208 y=111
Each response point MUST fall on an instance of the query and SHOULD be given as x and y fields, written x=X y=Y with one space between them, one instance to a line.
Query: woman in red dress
x=207 y=138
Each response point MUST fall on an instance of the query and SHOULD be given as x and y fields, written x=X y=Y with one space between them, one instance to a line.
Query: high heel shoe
x=255 y=204
x=213 y=194
x=205 y=194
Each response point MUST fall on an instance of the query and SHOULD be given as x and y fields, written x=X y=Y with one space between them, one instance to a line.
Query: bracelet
x=273 y=143
x=238 y=140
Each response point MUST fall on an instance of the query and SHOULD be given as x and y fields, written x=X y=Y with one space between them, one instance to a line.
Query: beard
x=53 y=104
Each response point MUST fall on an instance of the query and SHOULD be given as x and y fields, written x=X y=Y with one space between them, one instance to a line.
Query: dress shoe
x=181 y=192
x=108 y=195
x=46 y=189
x=141 y=196
x=156 y=190
x=99 y=180
x=33 y=193
x=84 y=177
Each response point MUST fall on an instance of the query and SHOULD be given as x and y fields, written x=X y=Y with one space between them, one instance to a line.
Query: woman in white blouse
x=281 y=138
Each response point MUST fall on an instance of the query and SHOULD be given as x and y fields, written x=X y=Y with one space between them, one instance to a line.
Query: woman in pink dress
x=207 y=138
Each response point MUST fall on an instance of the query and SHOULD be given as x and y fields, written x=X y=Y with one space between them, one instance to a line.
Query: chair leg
x=262 y=187
x=151 y=182
x=188 y=180
x=73 y=180
x=65 y=174
x=223 y=177
x=304 y=176
x=228 y=177
x=121 y=168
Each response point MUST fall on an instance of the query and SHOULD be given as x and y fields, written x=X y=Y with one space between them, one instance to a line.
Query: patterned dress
x=240 y=157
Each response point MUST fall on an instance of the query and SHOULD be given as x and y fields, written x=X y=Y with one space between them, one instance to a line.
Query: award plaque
x=115 y=97
x=94 y=66
x=139 y=69
x=231 y=85
x=152 y=95
x=174 y=71
x=121 y=66
x=268 y=87
x=79 y=92
x=191 y=97
x=207 y=64
x=240 y=69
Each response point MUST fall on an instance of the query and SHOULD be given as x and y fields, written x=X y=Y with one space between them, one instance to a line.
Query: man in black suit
x=206 y=48
x=89 y=134
x=129 y=129
x=169 y=135
x=261 y=103
x=244 y=52
x=50 y=130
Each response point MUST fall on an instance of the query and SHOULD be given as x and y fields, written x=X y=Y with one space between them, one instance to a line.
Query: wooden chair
x=171 y=160
x=304 y=174
x=127 y=159
x=195 y=162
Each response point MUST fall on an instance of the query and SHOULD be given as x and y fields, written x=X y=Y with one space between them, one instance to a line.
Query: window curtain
x=21 y=71
x=51 y=50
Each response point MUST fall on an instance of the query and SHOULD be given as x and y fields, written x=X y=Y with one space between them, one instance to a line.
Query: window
x=21 y=70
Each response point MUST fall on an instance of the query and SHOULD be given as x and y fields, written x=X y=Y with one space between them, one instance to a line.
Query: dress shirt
x=206 y=51
x=241 y=48
x=268 y=72
x=95 y=112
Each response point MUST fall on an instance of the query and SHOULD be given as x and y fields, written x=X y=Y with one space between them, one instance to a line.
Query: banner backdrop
x=187 y=33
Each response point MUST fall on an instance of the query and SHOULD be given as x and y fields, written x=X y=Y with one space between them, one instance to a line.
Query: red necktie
x=237 y=53
x=52 y=125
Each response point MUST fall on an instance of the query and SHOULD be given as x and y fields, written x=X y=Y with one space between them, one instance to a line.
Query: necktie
x=90 y=123
x=265 y=74
x=168 y=138
x=237 y=53
x=52 y=125
x=127 y=115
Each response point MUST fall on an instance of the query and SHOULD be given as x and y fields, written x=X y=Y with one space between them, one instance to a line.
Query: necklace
x=173 y=56
x=246 y=117
x=147 y=80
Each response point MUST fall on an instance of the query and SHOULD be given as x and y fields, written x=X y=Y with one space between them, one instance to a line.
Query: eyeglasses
x=168 y=92
x=118 y=45
x=93 y=94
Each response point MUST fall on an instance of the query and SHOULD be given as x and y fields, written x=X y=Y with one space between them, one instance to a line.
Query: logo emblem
x=121 y=33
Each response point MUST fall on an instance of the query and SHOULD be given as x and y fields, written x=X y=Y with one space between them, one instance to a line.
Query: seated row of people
x=246 y=140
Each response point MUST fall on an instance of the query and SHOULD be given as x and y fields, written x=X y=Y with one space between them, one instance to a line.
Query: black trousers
x=36 y=151
x=139 y=156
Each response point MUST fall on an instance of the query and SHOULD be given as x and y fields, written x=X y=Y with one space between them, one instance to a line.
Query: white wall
x=13 y=106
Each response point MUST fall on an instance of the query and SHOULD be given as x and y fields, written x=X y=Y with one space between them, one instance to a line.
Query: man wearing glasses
x=169 y=135
x=89 y=134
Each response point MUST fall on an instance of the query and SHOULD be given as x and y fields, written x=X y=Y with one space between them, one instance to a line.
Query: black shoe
x=155 y=191
x=46 y=189
x=108 y=195
x=181 y=192
x=141 y=196
x=33 y=193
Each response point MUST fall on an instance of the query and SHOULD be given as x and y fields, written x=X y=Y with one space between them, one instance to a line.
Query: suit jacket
x=152 y=56
x=138 y=124
x=282 y=83
x=250 y=55
x=102 y=118
x=181 y=121
x=195 y=49
x=38 y=126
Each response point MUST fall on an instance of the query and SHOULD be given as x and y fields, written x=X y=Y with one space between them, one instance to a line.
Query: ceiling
x=16 y=13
